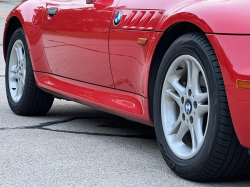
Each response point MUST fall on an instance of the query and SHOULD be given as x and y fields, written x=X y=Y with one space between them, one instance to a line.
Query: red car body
x=80 y=55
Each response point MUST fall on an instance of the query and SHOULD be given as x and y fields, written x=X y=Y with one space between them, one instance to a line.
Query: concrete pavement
x=74 y=145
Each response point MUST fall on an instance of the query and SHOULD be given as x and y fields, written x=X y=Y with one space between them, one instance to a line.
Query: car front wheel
x=24 y=97
x=191 y=114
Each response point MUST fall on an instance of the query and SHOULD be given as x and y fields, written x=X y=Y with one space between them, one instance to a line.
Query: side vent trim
x=138 y=19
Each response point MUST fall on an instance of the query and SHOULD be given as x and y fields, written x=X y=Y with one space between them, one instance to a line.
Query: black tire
x=221 y=156
x=33 y=101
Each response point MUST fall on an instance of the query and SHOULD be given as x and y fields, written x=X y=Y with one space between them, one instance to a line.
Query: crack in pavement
x=43 y=126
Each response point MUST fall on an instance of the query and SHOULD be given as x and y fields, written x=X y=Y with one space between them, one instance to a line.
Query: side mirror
x=90 y=1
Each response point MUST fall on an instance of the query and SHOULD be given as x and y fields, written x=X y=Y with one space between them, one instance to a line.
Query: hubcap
x=17 y=70
x=185 y=107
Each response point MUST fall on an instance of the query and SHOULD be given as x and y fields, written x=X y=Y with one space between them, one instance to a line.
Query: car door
x=130 y=60
x=75 y=36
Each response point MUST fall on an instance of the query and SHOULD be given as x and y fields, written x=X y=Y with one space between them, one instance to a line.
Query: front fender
x=212 y=16
x=25 y=13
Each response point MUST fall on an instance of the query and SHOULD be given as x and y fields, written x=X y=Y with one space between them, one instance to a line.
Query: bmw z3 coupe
x=182 y=66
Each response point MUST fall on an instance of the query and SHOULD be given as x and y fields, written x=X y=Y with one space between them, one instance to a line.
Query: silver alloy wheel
x=185 y=107
x=17 y=70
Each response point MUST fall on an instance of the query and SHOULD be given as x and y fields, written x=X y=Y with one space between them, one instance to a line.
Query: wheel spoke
x=192 y=76
x=19 y=88
x=181 y=132
x=177 y=86
x=193 y=138
x=19 y=53
x=13 y=69
x=195 y=78
x=201 y=97
x=198 y=130
x=176 y=126
x=202 y=109
x=189 y=73
x=174 y=96
x=14 y=77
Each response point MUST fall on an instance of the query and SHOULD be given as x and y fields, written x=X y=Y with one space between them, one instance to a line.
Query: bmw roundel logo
x=118 y=18
x=188 y=107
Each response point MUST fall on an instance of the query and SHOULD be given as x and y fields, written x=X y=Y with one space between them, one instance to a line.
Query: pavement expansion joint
x=44 y=126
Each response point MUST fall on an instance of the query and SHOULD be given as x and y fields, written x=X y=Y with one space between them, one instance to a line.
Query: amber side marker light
x=142 y=41
x=243 y=84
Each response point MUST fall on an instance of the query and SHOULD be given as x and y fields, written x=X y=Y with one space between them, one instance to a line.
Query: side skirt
x=124 y=104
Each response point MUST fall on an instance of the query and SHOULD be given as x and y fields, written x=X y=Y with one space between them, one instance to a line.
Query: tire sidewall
x=187 y=46
x=18 y=35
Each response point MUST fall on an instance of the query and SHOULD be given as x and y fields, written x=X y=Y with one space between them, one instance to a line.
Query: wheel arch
x=170 y=35
x=11 y=26
x=23 y=16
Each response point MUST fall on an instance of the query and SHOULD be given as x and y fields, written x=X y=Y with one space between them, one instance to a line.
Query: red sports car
x=182 y=66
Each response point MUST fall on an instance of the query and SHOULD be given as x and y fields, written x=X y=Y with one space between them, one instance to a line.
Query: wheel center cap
x=188 y=107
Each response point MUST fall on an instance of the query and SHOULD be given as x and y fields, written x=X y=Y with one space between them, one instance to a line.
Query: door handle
x=52 y=11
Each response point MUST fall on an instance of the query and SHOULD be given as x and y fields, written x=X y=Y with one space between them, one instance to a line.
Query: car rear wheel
x=24 y=97
x=191 y=114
